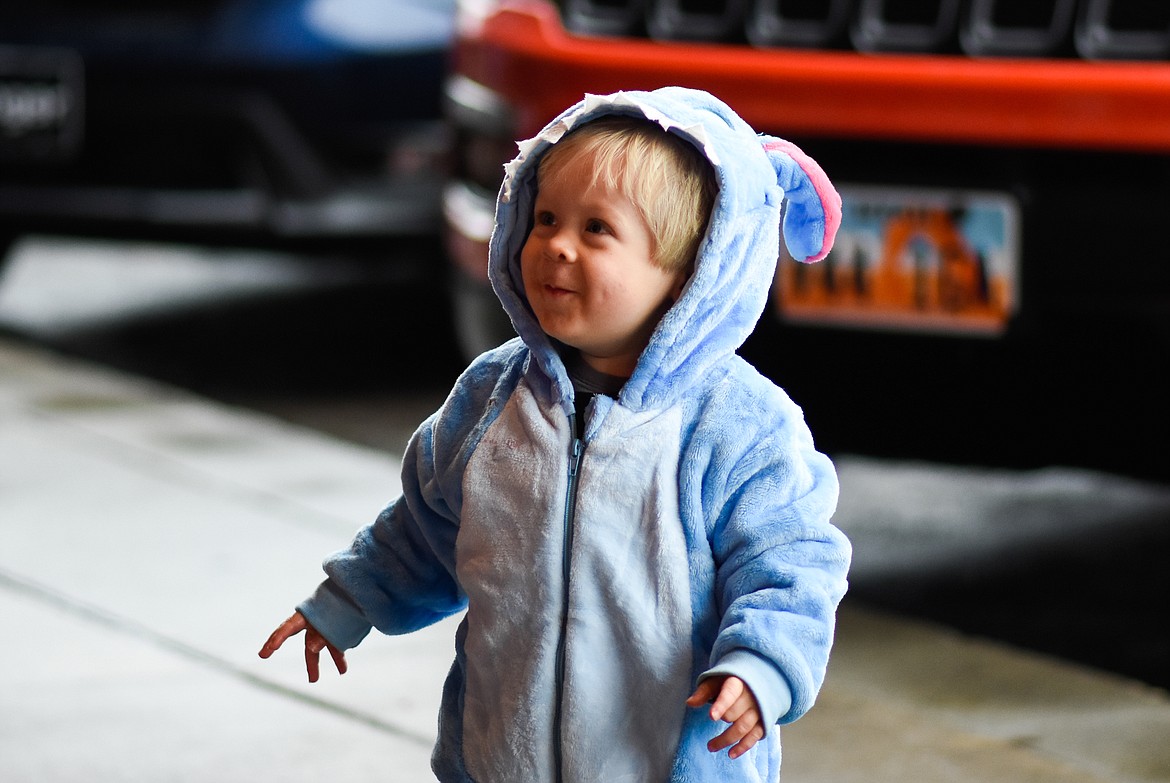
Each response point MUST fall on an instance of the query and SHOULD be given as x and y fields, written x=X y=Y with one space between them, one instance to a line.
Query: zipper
x=575 y=452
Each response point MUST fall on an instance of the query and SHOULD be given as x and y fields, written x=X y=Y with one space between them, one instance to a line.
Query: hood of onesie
x=729 y=288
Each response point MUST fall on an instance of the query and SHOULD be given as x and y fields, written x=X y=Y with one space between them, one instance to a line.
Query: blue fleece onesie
x=687 y=532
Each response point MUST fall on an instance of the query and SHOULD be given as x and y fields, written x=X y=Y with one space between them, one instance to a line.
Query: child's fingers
x=312 y=662
x=744 y=705
x=729 y=694
x=273 y=643
x=705 y=692
x=314 y=644
x=743 y=734
x=736 y=705
x=730 y=736
x=290 y=627
x=338 y=657
x=754 y=735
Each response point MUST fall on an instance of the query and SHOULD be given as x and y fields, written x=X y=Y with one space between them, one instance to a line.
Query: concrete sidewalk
x=149 y=541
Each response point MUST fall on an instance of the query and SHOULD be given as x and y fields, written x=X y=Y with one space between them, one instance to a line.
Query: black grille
x=807 y=23
x=904 y=25
x=1038 y=28
x=604 y=17
x=1094 y=29
x=696 y=20
x=1137 y=29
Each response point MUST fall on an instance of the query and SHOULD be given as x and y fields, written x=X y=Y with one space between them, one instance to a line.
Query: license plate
x=925 y=260
x=40 y=103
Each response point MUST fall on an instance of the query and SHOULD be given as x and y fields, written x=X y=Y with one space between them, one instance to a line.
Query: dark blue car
x=279 y=123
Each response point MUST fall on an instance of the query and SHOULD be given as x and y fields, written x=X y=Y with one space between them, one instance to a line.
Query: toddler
x=635 y=522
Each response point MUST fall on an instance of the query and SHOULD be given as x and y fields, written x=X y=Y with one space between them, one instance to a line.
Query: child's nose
x=561 y=247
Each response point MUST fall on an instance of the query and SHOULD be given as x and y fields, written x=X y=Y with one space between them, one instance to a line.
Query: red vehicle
x=998 y=291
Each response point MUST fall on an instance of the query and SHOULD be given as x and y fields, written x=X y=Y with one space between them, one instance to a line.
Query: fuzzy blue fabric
x=695 y=541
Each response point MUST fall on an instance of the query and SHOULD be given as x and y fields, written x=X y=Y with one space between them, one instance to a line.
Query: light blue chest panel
x=612 y=674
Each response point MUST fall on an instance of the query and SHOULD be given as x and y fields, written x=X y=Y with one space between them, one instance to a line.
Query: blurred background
x=284 y=205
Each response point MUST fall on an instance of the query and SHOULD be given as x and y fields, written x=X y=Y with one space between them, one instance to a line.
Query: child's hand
x=314 y=644
x=734 y=704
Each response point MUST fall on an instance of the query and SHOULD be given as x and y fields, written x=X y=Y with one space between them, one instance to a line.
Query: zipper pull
x=575 y=457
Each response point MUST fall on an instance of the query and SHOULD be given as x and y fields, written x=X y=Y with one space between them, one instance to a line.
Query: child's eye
x=596 y=227
x=545 y=218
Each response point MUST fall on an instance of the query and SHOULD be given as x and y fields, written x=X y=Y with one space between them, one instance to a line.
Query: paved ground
x=149 y=540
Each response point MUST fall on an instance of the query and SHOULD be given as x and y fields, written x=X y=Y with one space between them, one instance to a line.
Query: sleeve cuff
x=334 y=616
x=767 y=684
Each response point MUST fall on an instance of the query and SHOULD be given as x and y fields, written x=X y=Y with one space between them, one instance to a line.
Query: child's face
x=588 y=270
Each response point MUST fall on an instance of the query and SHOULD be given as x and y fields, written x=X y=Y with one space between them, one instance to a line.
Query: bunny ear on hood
x=813 y=213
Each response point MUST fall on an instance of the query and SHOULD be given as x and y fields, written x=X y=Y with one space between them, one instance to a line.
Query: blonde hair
x=665 y=177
